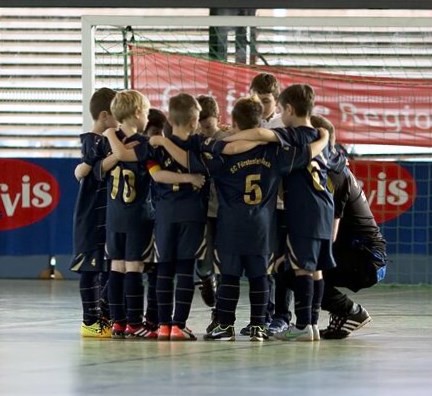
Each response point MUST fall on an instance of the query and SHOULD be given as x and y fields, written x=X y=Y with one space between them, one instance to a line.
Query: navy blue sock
x=228 y=296
x=184 y=291
x=116 y=296
x=258 y=297
x=152 y=307
x=103 y=295
x=103 y=280
x=165 y=292
x=134 y=291
x=89 y=292
x=316 y=301
x=303 y=294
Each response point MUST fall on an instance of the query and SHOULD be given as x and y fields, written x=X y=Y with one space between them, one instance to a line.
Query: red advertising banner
x=364 y=110
x=389 y=187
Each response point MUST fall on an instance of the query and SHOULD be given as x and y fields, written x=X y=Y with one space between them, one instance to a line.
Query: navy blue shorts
x=93 y=261
x=253 y=266
x=179 y=241
x=137 y=246
x=309 y=254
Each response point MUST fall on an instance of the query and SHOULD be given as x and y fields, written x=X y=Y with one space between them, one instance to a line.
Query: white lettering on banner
x=394 y=120
x=393 y=193
x=42 y=198
x=38 y=196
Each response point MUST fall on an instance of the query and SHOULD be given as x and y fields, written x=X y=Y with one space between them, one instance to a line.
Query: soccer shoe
x=208 y=290
x=214 y=323
x=293 y=333
x=152 y=328
x=245 y=331
x=277 y=325
x=316 y=332
x=99 y=329
x=342 y=326
x=118 y=330
x=140 y=331
x=220 y=333
x=164 y=333
x=258 y=333
x=179 y=334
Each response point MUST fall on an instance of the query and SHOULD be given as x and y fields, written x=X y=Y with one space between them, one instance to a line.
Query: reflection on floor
x=42 y=353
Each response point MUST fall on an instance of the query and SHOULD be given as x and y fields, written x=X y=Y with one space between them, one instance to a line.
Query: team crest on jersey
x=208 y=156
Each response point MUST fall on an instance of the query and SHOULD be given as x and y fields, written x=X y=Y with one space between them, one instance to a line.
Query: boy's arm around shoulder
x=168 y=177
x=192 y=160
x=181 y=156
x=295 y=157
x=319 y=145
x=106 y=162
x=175 y=151
x=119 y=150
x=261 y=134
x=82 y=170
x=241 y=146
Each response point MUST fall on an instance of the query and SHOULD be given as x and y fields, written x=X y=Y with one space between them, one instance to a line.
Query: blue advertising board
x=37 y=198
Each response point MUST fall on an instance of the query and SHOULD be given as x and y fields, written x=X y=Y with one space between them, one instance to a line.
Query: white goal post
x=91 y=22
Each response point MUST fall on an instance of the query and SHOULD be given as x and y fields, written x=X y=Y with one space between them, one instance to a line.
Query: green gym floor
x=41 y=351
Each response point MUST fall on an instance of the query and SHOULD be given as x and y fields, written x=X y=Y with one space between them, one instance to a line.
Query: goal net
x=372 y=78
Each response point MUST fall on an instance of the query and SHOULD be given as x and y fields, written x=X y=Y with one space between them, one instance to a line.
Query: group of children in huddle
x=159 y=197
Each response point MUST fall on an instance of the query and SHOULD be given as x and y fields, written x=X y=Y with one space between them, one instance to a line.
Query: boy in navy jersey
x=209 y=127
x=309 y=209
x=247 y=185
x=89 y=218
x=155 y=126
x=267 y=88
x=129 y=228
x=181 y=212
x=129 y=215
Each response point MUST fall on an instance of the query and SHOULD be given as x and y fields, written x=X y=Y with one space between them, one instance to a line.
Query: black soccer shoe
x=208 y=290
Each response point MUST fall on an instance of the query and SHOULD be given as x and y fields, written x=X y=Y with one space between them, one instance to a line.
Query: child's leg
x=151 y=314
x=103 y=293
x=228 y=296
x=318 y=288
x=282 y=296
x=205 y=267
x=103 y=281
x=184 y=291
x=303 y=296
x=258 y=297
x=116 y=292
x=89 y=291
x=134 y=292
x=165 y=292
